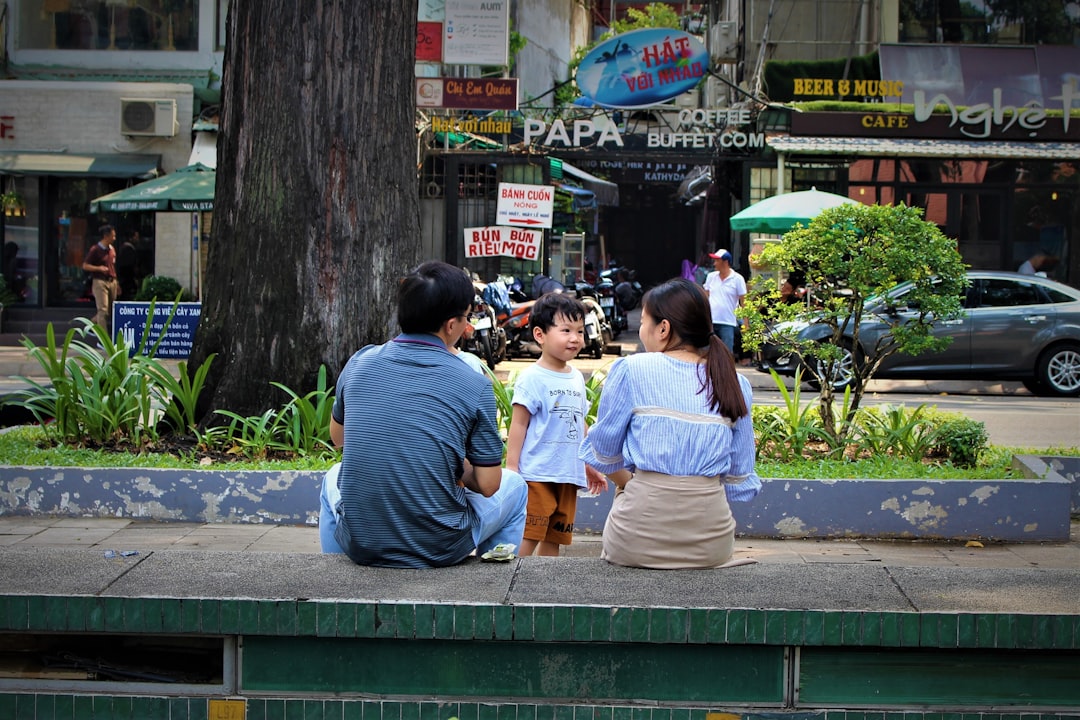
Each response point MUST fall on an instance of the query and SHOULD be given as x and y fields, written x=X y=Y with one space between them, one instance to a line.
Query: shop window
x=109 y=25
x=21 y=259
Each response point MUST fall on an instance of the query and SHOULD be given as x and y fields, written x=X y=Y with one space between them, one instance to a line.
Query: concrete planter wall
x=1015 y=510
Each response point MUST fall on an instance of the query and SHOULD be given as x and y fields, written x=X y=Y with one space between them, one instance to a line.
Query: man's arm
x=483 y=480
x=337 y=433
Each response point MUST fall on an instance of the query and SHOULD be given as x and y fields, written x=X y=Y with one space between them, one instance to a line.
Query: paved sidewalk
x=121 y=535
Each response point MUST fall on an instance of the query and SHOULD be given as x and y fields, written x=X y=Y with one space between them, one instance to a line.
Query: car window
x=1008 y=293
x=1056 y=296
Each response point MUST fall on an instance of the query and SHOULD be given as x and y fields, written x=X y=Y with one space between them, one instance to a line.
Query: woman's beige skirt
x=669 y=522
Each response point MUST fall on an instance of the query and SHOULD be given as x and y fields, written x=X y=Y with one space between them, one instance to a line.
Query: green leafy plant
x=304 y=422
x=162 y=287
x=896 y=430
x=962 y=440
x=97 y=394
x=786 y=430
x=854 y=258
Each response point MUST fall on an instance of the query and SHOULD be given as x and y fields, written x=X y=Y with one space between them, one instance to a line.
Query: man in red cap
x=726 y=290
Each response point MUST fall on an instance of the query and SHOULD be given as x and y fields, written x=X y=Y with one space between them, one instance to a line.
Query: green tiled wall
x=896 y=677
x=77 y=707
x=745 y=674
x=546 y=624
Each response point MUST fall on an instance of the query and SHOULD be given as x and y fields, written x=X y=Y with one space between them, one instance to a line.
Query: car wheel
x=1058 y=372
x=844 y=373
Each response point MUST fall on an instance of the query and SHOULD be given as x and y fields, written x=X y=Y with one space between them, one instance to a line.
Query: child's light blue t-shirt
x=557 y=403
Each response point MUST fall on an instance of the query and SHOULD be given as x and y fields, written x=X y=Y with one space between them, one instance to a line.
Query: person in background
x=547 y=425
x=674 y=433
x=127 y=259
x=100 y=262
x=726 y=291
x=1038 y=264
x=420 y=482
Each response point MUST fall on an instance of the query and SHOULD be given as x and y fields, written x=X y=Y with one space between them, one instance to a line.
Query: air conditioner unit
x=724 y=42
x=145 y=117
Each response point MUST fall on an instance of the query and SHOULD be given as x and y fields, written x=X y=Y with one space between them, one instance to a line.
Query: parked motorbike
x=627 y=289
x=609 y=303
x=597 y=329
x=484 y=338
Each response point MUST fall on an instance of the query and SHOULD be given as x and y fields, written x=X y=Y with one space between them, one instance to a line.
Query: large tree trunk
x=316 y=213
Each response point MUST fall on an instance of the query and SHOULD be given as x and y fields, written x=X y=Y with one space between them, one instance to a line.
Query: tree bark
x=316 y=213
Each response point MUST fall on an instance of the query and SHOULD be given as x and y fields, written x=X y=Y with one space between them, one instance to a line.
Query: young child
x=548 y=425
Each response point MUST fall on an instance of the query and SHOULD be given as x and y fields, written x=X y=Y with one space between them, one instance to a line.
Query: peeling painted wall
x=1013 y=510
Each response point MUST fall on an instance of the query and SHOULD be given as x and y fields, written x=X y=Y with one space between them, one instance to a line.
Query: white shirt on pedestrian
x=724 y=296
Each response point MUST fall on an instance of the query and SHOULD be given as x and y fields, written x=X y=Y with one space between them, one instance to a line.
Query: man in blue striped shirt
x=420 y=483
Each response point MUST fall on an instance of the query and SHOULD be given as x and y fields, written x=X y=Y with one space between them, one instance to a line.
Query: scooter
x=609 y=303
x=597 y=329
x=515 y=323
x=484 y=338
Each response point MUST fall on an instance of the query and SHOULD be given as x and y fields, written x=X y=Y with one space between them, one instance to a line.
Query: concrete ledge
x=1013 y=510
x=1052 y=467
x=534 y=582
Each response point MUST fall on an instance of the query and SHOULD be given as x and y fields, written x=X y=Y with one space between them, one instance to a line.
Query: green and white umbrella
x=780 y=213
x=189 y=189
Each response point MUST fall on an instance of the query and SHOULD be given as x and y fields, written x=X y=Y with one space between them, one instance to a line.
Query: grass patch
x=28 y=446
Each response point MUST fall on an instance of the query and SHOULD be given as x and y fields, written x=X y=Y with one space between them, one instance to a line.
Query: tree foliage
x=853 y=255
x=316 y=207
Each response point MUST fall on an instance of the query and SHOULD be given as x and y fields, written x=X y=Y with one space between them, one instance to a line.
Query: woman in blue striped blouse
x=674 y=433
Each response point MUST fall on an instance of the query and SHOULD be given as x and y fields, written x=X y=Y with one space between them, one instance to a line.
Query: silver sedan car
x=1015 y=327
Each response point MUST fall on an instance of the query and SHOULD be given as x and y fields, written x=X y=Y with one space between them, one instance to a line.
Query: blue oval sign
x=642 y=67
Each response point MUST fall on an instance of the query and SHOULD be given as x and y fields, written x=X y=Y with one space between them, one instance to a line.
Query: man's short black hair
x=552 y=304
x=432 y=294
x=105 y=230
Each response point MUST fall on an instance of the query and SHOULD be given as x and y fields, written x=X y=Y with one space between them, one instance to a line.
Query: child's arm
x=515 y=440
x=597 y=481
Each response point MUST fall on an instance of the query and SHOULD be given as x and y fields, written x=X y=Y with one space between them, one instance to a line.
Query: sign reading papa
x=642 y=67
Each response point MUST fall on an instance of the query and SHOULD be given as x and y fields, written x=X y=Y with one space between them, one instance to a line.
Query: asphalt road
x=1012 y=415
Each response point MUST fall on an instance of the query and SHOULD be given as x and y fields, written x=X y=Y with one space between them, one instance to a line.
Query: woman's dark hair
x=686 y=308
x=432 y=294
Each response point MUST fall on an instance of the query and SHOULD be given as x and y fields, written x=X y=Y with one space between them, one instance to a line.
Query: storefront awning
x=901 y=147
x=607 y=193
x=582 y=199
x=108 y=166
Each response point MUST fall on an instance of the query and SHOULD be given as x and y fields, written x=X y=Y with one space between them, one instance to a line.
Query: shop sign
x=696 y=129
x=979 y=120
x=642 y=68
x=129 y=322
x=834 y=88
x=429 y=42
x=467 y=93
x=525 y=205
x=476 y=32
x=503 y=241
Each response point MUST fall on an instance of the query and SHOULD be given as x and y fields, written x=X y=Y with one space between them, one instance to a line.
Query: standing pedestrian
x=547 y=425
x=100 y=262
x=726 y=291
